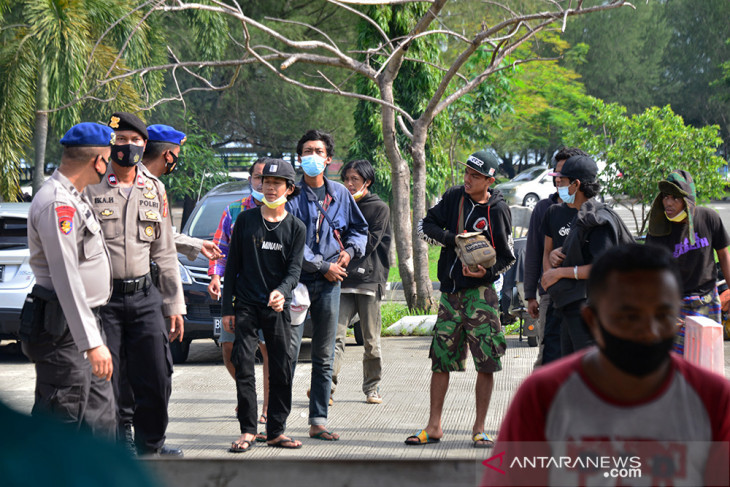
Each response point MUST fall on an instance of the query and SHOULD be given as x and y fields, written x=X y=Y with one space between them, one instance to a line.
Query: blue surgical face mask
x=565 y=195
x=313 y=165
x=257 y=195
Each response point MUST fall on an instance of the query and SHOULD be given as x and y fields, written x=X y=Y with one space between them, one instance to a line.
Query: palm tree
x=49 y=51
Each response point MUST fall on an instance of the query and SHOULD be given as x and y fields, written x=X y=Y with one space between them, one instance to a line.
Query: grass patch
x=392 y=312
x=512 y=329
x=433 y=257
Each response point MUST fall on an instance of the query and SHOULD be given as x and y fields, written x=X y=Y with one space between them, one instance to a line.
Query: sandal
x=482 y=440
x=321 y=436
x=238 y=446
x=261 y=437
x=284 y=442
x=421 y=438
x=262 y=419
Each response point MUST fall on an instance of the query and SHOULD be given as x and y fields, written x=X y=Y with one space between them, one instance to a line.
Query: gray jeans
x=368 y=307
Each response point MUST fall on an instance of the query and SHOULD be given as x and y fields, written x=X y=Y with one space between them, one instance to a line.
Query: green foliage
x=199 y=168
x=391 y=312
x=414 y=86
x=59 y=40
x=645 y=148
x=474 y=116
x=433 y=256
x=259 y=109
x=693 y=61
x=663 y=52
x=546 y=97
x=624 y=62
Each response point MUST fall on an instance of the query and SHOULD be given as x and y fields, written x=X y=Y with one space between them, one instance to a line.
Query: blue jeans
x=324 y=310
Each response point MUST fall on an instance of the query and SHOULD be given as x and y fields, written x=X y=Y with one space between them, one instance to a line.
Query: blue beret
x=165 y=133
x=88 y=134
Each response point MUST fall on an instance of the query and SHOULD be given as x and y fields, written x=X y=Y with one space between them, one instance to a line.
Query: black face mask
x=127 y=155
x=170 y=166
x=635 y=358
x=103 y=173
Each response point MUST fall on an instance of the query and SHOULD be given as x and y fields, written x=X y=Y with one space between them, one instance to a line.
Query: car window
x=529 y=175
x=13 y=233
x=205 y=221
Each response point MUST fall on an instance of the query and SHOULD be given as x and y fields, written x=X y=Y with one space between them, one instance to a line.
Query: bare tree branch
x=366 y=18
x=308 y=26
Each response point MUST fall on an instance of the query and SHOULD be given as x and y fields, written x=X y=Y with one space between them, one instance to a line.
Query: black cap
x=578 y=167
x=276 y=168
x=127 y=121
x=483 y=162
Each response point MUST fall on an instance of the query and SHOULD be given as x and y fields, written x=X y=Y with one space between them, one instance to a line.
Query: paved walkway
x=371 y=450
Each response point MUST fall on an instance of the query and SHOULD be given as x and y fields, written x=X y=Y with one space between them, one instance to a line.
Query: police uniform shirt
x=135 y=233
x=190 y=247
x=68 y=255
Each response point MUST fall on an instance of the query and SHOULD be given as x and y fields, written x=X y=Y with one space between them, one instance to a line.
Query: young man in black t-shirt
x=264 y=263
x=693 y=234
x=576 y=231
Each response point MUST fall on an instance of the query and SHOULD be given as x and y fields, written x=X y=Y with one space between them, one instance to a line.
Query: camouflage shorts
x=468 y=317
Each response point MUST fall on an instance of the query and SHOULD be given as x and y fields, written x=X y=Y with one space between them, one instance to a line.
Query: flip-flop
x=482 y=437
x=421 y=438
x=263 y=416
x=237 y=446
x=280 y=443
x=261 y=437
x=320 y=436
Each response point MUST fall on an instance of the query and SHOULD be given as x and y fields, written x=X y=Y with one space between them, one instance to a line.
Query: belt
x=130 y=286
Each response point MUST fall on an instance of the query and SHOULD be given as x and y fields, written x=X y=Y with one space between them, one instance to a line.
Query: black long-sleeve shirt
x=535 y=247
x=440 y=227
x=263 y=257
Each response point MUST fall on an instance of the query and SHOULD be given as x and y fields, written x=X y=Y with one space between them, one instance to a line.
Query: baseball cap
x=578 y=167
x=299 y=304
x=127 y=121
x=165 y=133
x=482 y=162
x=276 y=168
x=88 y=134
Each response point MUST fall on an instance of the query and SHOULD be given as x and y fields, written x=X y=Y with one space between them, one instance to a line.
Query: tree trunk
x=41 y=130
x=401 y=198
x=424 y=288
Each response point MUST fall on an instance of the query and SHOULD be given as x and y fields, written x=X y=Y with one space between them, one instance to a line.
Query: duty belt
x=130 y=286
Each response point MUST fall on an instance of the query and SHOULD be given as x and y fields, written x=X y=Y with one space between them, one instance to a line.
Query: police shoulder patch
x=65 y=218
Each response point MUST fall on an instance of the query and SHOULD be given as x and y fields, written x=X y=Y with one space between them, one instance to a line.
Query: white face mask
x=360 y=193
x=276 y=203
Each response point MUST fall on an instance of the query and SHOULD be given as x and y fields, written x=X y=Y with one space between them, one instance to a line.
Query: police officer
x=131 y=206
x=61 y=330
x=160 y=158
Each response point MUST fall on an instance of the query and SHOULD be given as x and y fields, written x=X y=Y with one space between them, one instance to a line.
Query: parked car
x=203 y=318
x=528 y=187
x=16 y=276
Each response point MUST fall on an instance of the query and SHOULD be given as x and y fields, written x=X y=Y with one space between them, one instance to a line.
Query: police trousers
x=136 y=330
x=65 y=386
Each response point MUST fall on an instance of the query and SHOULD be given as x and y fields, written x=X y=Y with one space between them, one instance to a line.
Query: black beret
x=127 y=121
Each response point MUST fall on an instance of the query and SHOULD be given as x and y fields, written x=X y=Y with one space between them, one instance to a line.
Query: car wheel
x=530 y=200
x=532 y=341
x=180 y=351
x=358 y=333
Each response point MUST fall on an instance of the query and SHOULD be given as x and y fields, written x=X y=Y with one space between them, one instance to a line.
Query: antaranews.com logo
x=609 y=463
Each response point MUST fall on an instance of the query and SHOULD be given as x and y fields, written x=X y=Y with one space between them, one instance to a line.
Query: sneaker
x=374 y=397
